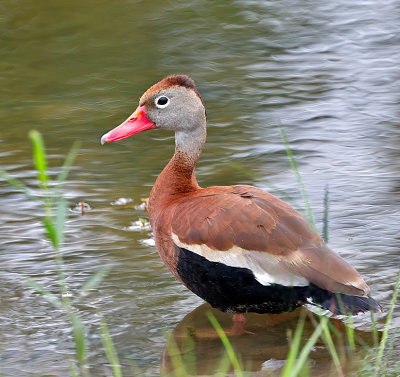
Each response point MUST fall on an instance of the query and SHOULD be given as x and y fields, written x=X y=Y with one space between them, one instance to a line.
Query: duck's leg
x=239 y=320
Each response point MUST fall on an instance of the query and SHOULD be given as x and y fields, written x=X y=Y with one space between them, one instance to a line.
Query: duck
x=239 y=248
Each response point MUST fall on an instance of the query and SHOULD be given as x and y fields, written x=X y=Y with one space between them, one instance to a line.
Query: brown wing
x=244 y=225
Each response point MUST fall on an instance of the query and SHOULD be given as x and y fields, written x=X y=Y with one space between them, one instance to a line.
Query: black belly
x=235 y=289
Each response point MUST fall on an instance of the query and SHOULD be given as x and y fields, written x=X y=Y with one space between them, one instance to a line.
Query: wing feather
x=247 y=226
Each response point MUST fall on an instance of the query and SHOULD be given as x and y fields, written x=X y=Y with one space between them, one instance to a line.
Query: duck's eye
x=162 y=102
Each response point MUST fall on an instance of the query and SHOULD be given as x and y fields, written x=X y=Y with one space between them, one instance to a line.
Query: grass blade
x=308 y=347
x=189 y=351
x=78 y=332
x=326 y=213
x=73 y=369
x=50 y=297
x=94 y=280
x=109 y=349
x=389 y=349
x=227 y=344
x=350 y=332
x=176 y=358
x=331 y=347
x=224 y=366
x=69 y=160
x=39 y=157
x=298 y=176
x=61 y=216
x=382 y=344
x=294 y=347
x=375 y=333
x=16 y=183
x=51 y=231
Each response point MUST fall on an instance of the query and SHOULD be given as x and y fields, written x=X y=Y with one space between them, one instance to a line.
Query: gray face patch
x=176 y=109
x=179 y=109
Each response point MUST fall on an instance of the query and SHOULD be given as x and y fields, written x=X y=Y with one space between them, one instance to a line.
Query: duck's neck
x=178 y=177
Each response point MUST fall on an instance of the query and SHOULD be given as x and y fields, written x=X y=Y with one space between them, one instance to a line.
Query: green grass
x=234 y=360
x=298 y=356
x=309 y=216
x=379 y=363
x=109 y=349
x=54 y=220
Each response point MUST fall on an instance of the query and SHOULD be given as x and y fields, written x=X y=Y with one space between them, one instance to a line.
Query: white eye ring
x=161 y=102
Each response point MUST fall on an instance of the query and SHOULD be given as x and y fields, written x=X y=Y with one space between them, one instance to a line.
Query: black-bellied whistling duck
x=237 y=247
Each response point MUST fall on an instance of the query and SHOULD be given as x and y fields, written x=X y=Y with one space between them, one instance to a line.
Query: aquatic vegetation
x=54 y=219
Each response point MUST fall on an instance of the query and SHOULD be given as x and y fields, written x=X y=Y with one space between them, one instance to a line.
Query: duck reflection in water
x=263 y=350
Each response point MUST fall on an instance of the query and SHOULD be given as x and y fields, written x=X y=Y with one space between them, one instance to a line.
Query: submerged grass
x=183 y=359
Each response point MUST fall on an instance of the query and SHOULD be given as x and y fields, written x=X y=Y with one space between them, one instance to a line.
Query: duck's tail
x=339 y=303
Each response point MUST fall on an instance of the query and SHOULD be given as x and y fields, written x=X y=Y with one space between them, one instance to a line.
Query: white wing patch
x=264 y=266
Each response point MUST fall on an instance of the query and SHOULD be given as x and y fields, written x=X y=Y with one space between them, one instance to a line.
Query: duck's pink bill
x=136 y=123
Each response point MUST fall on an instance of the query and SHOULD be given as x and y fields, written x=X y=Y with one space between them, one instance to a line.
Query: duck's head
x=171 y=104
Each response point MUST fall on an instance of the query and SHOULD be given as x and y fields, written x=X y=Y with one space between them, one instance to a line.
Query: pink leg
x=239 y=317
x=239 y=320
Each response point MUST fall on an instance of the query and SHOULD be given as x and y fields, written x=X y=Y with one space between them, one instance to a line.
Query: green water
x=328 y=72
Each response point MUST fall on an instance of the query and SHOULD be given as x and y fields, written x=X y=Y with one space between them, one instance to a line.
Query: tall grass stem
x=289 y=153
x=382 y=345
x=227 y=344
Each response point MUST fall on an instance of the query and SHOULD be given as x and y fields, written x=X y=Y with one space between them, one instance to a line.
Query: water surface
x=328 y=72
